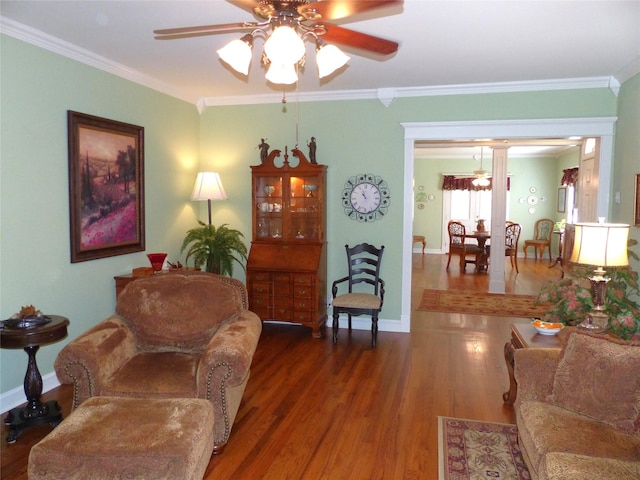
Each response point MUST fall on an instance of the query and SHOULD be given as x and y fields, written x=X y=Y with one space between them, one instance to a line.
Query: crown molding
x=629 y=71
x=54 y=44
x=387 y=95
x=384 y=95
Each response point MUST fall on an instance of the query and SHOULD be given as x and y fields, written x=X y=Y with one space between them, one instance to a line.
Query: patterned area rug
x=473 y=450
x=478 y=303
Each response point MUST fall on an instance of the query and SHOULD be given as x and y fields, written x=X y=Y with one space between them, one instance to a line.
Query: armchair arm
x=232 y=347
x=381 y=292
x=334 y=286
x=89 y=360
x=534 y=370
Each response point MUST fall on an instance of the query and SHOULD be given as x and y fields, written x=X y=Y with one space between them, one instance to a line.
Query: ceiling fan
x=304 y=19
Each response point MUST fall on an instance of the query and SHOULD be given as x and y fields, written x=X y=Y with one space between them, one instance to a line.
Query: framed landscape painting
x=636 y=210
x=106 y=187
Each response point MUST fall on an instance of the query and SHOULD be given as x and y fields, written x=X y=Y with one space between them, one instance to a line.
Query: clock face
x=365 y=197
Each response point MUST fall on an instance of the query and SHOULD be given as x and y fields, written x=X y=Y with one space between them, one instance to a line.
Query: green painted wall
x=38 y=87
x=627 y=158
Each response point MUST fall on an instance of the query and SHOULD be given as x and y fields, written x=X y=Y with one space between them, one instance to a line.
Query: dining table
x=482 y=263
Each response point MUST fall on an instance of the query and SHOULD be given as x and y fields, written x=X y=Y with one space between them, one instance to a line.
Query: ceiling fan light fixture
x=282 y=74
x=329 y=58
x=237 y=54
x=481 y=175
x=480 y=181
x=284 y=46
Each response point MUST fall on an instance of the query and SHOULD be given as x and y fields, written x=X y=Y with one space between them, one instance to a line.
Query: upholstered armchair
x=174 y=335
x=578 y=408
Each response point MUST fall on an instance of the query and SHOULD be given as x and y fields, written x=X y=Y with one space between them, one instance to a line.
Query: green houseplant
x=570 y=298
x=215 y=248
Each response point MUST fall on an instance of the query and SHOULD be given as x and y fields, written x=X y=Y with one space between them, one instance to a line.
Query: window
x=467 y=207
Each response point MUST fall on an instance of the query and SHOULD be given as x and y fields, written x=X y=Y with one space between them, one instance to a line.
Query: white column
x=498 y=219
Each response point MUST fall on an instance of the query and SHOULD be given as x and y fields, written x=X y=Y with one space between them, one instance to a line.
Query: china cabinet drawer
x=302 y=291
x=282 y=314
x=302 y=317
x=282 y=289
x=303 y=303
x=260 y=289
x=303 y=279
x=260 y=301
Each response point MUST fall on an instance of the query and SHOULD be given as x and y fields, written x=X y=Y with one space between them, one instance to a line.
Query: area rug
x=478 y=303
x=473 y=450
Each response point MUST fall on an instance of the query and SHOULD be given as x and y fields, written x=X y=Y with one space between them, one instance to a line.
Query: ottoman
x=128 y=438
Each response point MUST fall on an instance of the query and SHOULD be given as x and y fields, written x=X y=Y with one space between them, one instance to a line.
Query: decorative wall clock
x=365 y=197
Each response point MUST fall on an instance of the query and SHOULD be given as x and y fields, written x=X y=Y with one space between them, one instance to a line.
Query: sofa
x=578 y=408
x=173 y=335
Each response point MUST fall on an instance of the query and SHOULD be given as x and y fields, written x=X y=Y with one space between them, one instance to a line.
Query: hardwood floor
x=314 y=410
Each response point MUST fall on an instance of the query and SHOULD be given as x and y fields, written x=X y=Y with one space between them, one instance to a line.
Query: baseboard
x=16 y=397
x=364 y=323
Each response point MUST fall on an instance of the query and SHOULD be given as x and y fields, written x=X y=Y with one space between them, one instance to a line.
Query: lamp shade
x=208 y=187
x=282 y=74
x=329 y=58
x=237 y=54
x=284 y=46
x=601 y=244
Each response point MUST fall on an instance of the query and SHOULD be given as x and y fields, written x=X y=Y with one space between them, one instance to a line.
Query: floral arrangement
x=571 y=299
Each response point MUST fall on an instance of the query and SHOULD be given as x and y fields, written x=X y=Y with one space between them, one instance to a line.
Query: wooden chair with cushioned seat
x=541 y=239
x=364 y=274
x=459 y=246
x=511 y=238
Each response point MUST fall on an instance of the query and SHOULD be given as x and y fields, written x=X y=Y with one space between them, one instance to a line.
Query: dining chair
x=542 y=238
x=511 y=238
x=365 y=294
x=459 y=246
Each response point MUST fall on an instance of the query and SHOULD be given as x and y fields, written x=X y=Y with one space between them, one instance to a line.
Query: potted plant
x=571 y=299
x=215 y=248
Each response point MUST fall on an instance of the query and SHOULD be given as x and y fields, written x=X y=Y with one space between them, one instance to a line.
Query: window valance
x=451 y=182
x=569 y=177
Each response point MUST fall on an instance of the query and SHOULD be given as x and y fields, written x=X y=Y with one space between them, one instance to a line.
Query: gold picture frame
x=636 y=210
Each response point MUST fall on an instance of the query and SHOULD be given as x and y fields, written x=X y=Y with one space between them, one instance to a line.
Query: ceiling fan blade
x=334 y=9
x=202 y=30
x=363 y=41
x=247 y=5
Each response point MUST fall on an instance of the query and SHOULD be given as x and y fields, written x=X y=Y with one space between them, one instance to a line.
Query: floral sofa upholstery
x=578 y=408
x=174 y=335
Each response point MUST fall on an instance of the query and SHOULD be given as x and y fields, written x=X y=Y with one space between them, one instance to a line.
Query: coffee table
x=523 y=335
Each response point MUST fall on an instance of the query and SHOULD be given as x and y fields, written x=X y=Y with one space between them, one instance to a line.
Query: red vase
x=157 y=260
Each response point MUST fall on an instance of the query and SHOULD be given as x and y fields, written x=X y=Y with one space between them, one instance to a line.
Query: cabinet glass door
x=304 y=206
x=269 y=197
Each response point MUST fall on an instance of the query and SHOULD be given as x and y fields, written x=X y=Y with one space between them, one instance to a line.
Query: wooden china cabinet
x=287 y=265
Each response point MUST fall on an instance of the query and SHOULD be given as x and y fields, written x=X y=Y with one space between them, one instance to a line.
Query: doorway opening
x=516 y=130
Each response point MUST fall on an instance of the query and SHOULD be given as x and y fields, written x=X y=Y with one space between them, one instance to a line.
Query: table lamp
x=602 y=245
x=208 y=187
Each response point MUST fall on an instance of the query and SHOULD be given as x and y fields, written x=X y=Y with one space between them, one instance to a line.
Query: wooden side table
x=420 y=239
x=30 y=339
x=523 y=335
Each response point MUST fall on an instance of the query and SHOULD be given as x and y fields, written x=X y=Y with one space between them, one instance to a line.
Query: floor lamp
x=601 y=245
x=208 y=187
